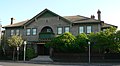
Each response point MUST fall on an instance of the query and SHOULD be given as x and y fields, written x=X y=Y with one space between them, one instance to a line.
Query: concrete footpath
x=48 y=60
x=45 y=60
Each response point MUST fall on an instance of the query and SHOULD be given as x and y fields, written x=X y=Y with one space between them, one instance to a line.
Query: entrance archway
x=45 y=35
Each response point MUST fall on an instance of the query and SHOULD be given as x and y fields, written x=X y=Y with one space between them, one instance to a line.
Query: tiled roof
x=80 y=19
x=105 y=25
x=16 y=24
x=71 y=19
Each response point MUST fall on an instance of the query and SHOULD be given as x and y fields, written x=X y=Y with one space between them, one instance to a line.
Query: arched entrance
x=45 y=35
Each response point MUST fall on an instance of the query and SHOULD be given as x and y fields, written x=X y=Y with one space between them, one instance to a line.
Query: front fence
x=83 y=57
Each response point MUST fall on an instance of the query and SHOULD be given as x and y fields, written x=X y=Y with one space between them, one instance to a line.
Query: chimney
x=92 y=16
x=12 y=20
x=99 y=15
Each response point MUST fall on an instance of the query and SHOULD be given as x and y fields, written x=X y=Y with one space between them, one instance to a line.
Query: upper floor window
x=81 y=29
x=67 y=29
x=17 y=32
x=59 y=30
x=34 y=31
x=48 y=30
x=12 y=32
x=28 y=32
x=89 y=29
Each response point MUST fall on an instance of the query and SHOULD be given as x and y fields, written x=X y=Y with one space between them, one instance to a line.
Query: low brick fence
x=83 y=57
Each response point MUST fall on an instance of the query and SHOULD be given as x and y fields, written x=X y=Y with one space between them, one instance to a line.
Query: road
x=57 y=64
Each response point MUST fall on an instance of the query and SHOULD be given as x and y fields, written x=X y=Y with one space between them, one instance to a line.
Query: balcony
x=45 y=37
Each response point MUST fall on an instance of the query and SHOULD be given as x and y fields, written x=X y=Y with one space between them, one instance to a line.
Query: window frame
x=68 y=29
x=58 y=30
x=12 y=32
x=90 y=30
x=35 y=31
x=49 y=30
x=27 y=31
x=82 y=29
x=18 y=33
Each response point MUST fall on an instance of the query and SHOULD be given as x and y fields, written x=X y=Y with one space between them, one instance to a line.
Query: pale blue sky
x=26 y=9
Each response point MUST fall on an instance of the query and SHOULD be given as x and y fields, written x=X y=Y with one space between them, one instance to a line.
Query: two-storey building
x=47 y=24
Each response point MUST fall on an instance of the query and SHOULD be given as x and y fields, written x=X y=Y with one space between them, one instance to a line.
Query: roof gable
x=45 y=13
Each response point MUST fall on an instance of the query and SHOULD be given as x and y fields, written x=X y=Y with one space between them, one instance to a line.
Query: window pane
x=17 y=32
x=12 y=32
x=67 y=29
x=89 y=30
x=28 y=31
x=48 y=30
x=34 y=31
x=81 y=29
x=59 y=30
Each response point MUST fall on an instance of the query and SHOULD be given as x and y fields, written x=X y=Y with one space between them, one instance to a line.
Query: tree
x=15 y=42
x=104 y=41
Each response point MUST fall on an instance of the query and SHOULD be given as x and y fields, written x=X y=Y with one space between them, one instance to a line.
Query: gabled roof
x=71 y=19
x=81 y=19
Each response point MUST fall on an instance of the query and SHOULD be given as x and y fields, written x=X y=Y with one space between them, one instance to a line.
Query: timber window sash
x=34 y=31
x=67 y=29
x=28 y=31
x=81 y=29
x=89 y=29
x=59 y=30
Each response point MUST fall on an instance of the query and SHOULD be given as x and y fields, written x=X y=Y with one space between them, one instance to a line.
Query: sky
x=26 y=9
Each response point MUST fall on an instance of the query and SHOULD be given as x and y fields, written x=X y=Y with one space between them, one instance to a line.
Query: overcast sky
x=26 y=9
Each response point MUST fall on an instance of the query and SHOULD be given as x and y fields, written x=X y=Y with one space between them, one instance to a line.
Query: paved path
x=41 y=59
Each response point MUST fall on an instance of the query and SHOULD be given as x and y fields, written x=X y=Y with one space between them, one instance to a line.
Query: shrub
x=30 y=53
x=63 y=43
x=81 y=41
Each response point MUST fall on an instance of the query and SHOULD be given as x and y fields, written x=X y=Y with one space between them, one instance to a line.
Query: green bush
x=63 y=43
x=81 y=41
x=102 y=42
x=30 y=53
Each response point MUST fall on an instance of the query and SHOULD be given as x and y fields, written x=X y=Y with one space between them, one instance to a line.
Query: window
x=48 y=30
x=89 y=29
x=17 y=32
x=59 y=30
x=104 y=29
x=34 y=31
x=12 y=32
x=28 y=32
x=67 y=29
x=81 y=29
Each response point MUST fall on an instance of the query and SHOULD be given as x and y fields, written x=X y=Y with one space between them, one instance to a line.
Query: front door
x=42 y=50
